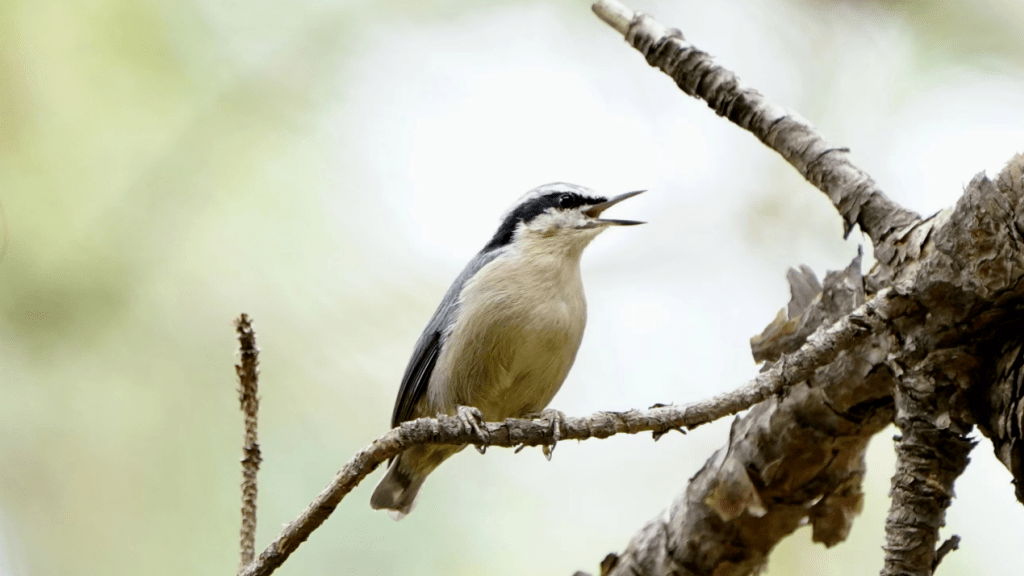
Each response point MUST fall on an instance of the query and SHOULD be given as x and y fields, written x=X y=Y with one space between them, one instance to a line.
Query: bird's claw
x=473 y=420
x=556 y=420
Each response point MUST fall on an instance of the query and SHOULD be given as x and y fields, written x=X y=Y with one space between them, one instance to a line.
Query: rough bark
x=930 y=454
x=856 y=197
x=998 y=408
x=959 y=282
x=794 y=458
x=1000 y=411
x=248 y=397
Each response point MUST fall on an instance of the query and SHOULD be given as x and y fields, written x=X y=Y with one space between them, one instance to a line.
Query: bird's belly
x=515 y=363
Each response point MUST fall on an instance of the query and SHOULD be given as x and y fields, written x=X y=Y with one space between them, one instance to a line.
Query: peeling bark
x=1000 y=412
x=930 y=455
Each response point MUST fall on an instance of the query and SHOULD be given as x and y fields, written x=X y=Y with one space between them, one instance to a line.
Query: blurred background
x=328 y=167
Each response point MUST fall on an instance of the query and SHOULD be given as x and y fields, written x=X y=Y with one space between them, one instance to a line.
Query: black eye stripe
x=567 y=200
x=534 y=207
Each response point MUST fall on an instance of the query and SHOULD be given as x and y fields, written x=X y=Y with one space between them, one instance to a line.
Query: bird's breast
x=514 y=339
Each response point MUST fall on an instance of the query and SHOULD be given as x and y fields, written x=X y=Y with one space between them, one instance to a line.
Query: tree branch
x=854 y=194
x=1000 y=410
x=821 y=348
x=961 y=282
x=998 y=407
x=951 y=543
x=248 y=379
x=795 y=458
x=930 y=456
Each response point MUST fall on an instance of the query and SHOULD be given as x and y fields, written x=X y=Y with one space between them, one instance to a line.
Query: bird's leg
x=556 y=419
x=473 y=420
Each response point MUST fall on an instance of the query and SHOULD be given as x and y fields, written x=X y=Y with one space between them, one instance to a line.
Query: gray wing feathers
x=417 y=375
x=431 y=342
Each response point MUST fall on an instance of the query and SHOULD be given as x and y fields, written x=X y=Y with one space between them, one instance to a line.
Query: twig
x=852 y=191
x=248 y=379
x=821 y=348
x=951 y=543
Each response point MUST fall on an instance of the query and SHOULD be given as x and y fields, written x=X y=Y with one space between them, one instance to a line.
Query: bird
x=506 y=333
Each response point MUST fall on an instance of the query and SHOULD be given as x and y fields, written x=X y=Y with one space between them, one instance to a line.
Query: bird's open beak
x=596 y=210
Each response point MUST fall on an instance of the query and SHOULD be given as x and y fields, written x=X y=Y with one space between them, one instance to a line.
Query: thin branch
x=852 y=191
x=821 y=348
x=951 y=543
x=248 y=379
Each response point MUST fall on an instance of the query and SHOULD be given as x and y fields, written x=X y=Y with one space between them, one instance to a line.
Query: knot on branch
x=252 y=458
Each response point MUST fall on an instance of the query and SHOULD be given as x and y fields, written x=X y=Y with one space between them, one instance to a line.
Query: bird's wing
x=417 y=375
x=431 y=342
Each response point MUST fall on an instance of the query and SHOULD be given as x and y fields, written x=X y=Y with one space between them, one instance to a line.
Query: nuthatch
x=506 y=333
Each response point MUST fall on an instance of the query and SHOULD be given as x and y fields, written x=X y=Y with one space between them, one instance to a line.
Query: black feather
x=417 y=376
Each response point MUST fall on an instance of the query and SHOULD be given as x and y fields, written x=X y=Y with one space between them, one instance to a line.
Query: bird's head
x=559 y=215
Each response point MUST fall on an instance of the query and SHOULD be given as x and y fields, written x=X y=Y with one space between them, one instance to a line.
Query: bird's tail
x=397 y=491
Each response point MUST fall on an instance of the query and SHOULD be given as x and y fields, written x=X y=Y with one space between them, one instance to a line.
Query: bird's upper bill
x=595 y=211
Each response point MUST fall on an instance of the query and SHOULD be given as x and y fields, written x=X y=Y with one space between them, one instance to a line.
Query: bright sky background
x=330 y=166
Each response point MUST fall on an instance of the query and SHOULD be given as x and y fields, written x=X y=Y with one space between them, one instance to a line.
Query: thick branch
x=821 y=348
x=855 y=195
x=962 y=286
x=1000 y=410
x=998 y=407
x=930 y=456
x=795 y=458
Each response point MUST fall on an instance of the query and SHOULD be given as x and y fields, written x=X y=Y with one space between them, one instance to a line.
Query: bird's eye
x=565 y=201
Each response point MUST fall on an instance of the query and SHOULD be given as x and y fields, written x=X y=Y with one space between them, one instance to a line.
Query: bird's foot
x=473 y=420
x=556 y=421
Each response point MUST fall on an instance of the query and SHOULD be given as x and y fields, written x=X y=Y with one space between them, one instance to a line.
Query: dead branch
x=795 y=458
x=998 y=408
x=931 y=454
x=248 y=379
